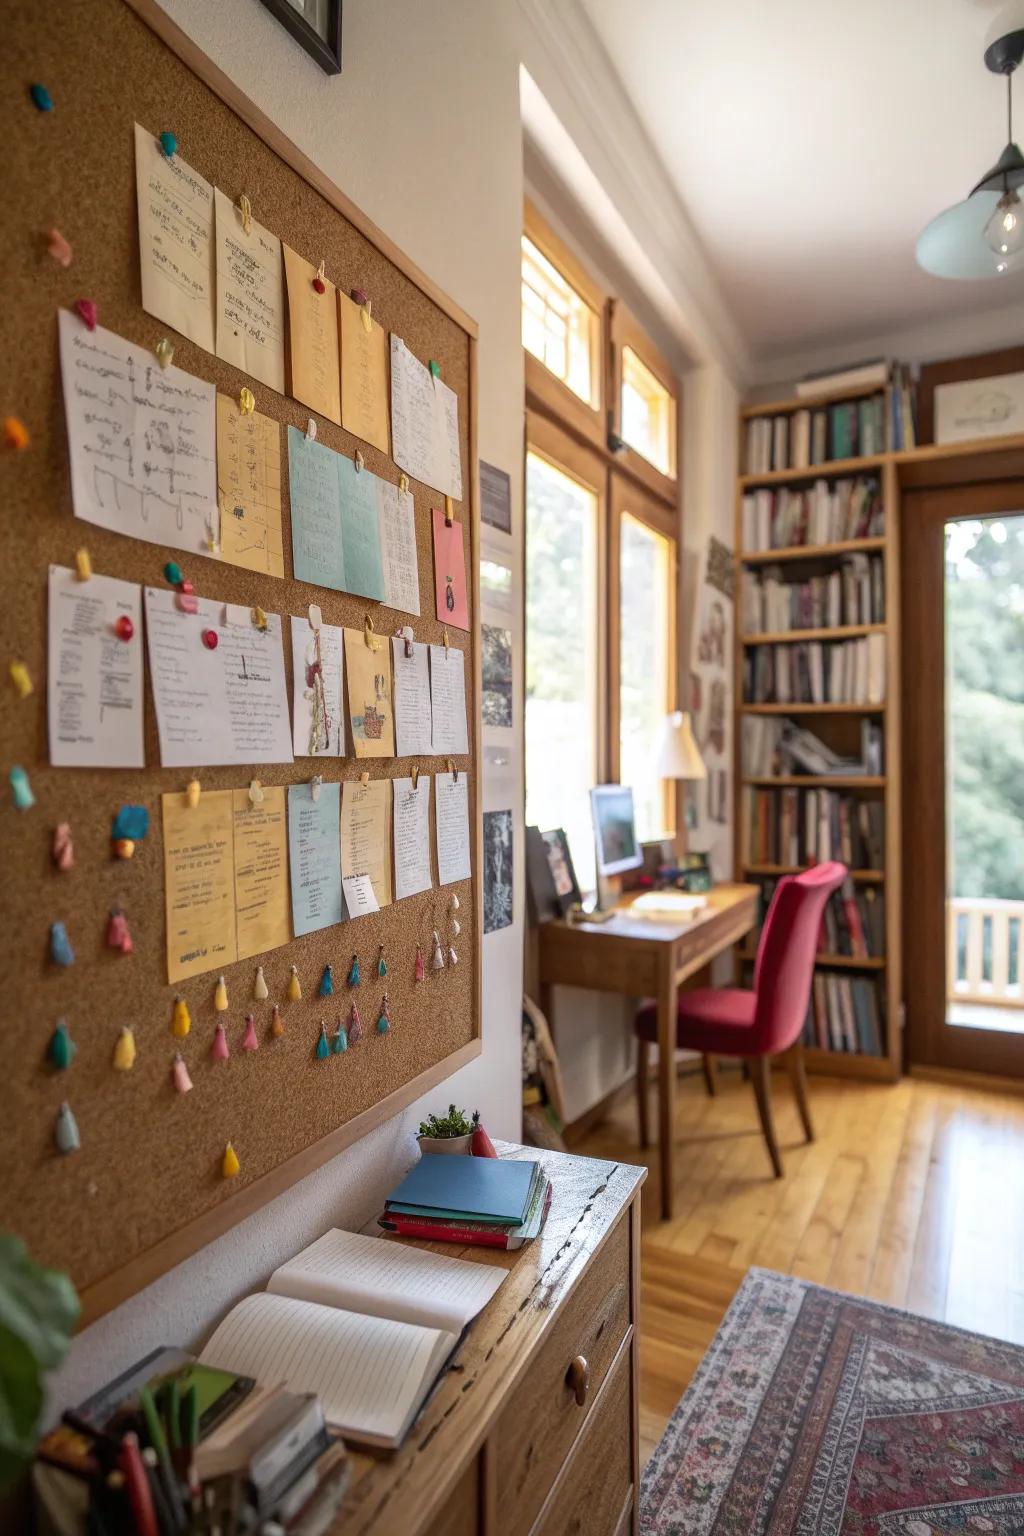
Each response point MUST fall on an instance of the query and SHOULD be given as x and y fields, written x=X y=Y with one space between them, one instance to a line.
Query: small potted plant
x=450 y=1133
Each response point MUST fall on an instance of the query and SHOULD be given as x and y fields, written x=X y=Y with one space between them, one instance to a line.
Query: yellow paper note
x=199 y=883
x=368 y=675
x=261 y=872
x=366 y=837
x=249 y=488
x=364 y=376
x=313 y=327
x=250 y=295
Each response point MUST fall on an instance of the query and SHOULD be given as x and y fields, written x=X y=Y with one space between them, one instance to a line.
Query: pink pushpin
x=249 y=1040
x=58 y=247
x=219 y=1050
x=87 y=311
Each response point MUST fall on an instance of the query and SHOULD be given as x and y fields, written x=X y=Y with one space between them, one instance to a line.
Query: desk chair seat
x=765 y=1020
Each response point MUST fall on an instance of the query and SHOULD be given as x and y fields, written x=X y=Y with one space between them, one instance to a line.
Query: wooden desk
x=645 y=957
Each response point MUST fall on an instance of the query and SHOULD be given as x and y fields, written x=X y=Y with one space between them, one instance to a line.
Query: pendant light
x=984 y=235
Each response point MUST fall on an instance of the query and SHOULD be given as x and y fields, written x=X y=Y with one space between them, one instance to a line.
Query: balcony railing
x=983 y=951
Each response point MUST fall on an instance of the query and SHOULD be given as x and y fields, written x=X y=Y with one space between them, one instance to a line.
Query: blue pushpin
x=61 y=952
x=41 y=97
x=168 y=143
x=340 y=1042
x=21 y=790
x=65 y=1132
x=323 y=1045
x=131 y=821
x=327 y=982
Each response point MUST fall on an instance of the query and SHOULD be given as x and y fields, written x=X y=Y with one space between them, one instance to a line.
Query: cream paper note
x=364 y=375
x=451 y=817
x=368 y=684
x=313 y=338
x=199 y=883
x=249 y=488
x=412 y=836
x=366 y=836
x=261 y=871
x=318 y=725
x=250 y=296
x=448 y=700
x=94 y=679
x=175 y=206
x=412 y=699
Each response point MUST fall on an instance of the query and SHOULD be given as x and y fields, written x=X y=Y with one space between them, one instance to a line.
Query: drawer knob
x=578 y=1376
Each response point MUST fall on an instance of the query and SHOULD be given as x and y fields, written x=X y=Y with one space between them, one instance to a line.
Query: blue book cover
x=494 y=1188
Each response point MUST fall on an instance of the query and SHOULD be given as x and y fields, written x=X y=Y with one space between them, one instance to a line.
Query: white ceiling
x=810 y=141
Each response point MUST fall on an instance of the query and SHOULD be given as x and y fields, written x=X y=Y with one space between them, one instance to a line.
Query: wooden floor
x=912 y=1194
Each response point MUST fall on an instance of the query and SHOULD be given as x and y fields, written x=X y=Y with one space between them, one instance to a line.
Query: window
x=562 y=651
x=646 y=668
x=647 y=413
x=559 y=327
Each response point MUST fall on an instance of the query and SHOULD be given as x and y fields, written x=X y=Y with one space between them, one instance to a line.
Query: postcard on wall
x=496 y=675
x=424 y=423
x=452 y=603
x=497 y=870
x=412 y=836
x=218 y=684
x=451 y=820
x=412 y=699
x=249 y=488
x=199 y=883
x=250 y=295
x=176 y=258
x=93 y=675
x=141 y=440
x=314 y=856
x=364 y=374
x=262 y=912
x=495 y=497
x=318 y=728
x=449 y=731
x=313 y=335
x=368 y=679
x=366 y=839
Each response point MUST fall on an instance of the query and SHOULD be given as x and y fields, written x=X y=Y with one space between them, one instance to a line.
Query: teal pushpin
x=168 y=143
x=327 y=982
x=353 y=972
x=41 y=97
x=323 y=1045
x=65 y=1132
x=61 y=952
x=382 y=965
x=384 y=1017
x=340 y=1043
x=172 y=573
x=62 y=1047
x=21 y=790
x=435 y=369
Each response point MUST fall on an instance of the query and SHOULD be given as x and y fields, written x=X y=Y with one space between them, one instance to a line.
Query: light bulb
x=1004 y=232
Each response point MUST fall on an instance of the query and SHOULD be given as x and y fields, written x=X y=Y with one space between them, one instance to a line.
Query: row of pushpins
x=67 y=1138
x=118 y=937
x=350 y=1032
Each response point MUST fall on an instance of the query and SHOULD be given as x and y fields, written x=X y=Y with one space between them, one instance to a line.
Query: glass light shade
x=1004 y=231
x=954 y=244
x=678 y=754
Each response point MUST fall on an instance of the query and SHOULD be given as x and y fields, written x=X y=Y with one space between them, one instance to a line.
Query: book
x=483 y=1188
x=857 y=376
x=439 y=1229
x=364 y=1323
x=272 y=1439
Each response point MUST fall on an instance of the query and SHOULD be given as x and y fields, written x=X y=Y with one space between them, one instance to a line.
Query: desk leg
x=667 y=1027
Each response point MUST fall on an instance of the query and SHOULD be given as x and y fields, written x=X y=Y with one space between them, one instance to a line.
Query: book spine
x=481 y=1237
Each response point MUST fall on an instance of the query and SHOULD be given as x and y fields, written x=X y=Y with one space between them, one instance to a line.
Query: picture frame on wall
x=315 y=25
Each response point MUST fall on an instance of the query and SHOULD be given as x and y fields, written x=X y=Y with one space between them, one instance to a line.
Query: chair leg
x=710 y=1066
x=798 y=1078
x=760 y=1073
x=643 y=1065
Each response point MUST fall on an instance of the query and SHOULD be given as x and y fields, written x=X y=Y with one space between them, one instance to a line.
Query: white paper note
x=175 y=240
x=451 y=815
x=141 y=440
x=228 y=704
x=250 y=296
x=94 y=679
x=448 y=700
x=412 y=836
x=411 y=700
x=360 y=897
x=398 y=547
x=317 y=690
x=424 y=423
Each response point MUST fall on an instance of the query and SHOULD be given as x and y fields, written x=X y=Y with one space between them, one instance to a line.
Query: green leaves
x=454 y=1123
x=38 y=1311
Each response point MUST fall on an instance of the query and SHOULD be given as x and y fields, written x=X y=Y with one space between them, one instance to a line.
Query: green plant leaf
x=38 y=1311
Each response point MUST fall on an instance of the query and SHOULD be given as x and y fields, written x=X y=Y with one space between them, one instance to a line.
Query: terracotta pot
x=450 y=1145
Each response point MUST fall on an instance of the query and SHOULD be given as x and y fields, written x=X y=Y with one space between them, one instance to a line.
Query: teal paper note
x=314 y=485
x=360 y=531
x=314 y=856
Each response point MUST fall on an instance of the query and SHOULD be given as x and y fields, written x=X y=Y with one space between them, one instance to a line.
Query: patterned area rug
x=818 y=1413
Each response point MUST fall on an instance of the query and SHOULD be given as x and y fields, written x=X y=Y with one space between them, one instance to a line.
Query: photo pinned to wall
x=495 y=497
x=496 y=675
x=497 y=870
x=711 y=706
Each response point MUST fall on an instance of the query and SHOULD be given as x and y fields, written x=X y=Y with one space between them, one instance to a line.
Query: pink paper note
x=450 y=572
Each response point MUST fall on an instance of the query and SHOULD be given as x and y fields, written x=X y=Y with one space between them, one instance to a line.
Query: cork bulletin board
x=145 y=1189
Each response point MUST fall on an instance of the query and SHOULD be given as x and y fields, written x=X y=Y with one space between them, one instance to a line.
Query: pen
x=137 y=1487
x=158 y=1441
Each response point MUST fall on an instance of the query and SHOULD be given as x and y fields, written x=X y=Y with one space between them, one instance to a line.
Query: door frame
x=930 y=1041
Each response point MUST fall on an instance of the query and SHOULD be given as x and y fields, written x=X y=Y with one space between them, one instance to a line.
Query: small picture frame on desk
x=563 y=874
x=316 y=25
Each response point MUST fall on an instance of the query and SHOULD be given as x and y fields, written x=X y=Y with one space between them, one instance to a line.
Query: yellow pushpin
x=124 y=1050
x=21 y=679
x=260 y=620
x=364 y=777
x=83 y=564
x=230 y=1167
x=449 y=512
x=246 y=402
x=192 y=792
x=164 y=352
x=182 y=1020
x=294 y=986
x=403 y=482
x=245 y=210
x=220 y=995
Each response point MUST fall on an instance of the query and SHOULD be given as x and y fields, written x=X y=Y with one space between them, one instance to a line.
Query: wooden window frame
x=624 y=331
x=545 y=391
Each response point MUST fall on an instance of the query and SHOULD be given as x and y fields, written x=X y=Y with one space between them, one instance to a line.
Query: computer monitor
x=618 y=847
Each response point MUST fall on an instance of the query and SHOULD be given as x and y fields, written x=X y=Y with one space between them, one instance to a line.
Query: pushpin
x=124 y=629
x=456 y=927
x=181 y=1021
x=384 y=1017
x=246 y=402
x=179 y=1074
x=276 y=1023
x=418 y=974
x=87 y=312
x=327 y=982
x=21 y=789
x=455 y=902
x=172 y=573
x=311 y=431
x=437 y=957
x=62 y=850
x=340 y=1041
x=164 y=350
x=83 y=564
x=21 y=679
x=245 y=213
x=61 y=952
x=318 y=281
x=168 y=143
x=192 y=792
x=435 y=369
x=294 y=986
x=260 y=620
x=355 y=1026
x=186 y=601
x=118 y=936
x=220 y=995
x=15 y=433
x=124 y=1050
x=210 y=639
x=323 y=1045
x=58 y=247
x=260 y=990
x=353 y=972
x=65 y=1132
x=41 y=97
x=220 y=1050
x=230 y=1166
x=382 y=965
x=62 y=1047
x=250 y=1040
x=256 y=795
x=453 y=958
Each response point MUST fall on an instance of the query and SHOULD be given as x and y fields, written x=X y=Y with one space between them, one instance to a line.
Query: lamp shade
x=678 y=754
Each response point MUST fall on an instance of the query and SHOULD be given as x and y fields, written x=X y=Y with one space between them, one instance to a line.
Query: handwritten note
x=412 y=700
x=313 y=333
x=449 y=730
x=366 y=835
x=360 y=529
x=199 y=883
x=317 y=666
x=141 y=440
x=315 y=487
x=249 y=488
x=424 y=423
x=398 y=548
x=250 y=296
x=314 y=856
x=451 y=817
x=94 y=679
x=175 y=240
x=360 y=897
x=412 y=836
x=364 y=375
x=227 y=704
x=261 y=871
x=368 y=675
x=452 y=600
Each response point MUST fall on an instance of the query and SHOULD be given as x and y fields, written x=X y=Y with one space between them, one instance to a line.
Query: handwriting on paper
x=364 y=375
x=368 y=680
x=314 y=856
x=412 y=699
x=199 y=883
x=412 y=836
x=424 y=423
x=451 y=819
x=250 y=296
x=261 y=871
x=249 y=488
x=94 y=678
x=175 y=208
x=366 y=836
x=450 y=732
x=313 y=335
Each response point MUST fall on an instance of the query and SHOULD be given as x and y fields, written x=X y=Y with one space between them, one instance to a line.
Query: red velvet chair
x=765 y=1021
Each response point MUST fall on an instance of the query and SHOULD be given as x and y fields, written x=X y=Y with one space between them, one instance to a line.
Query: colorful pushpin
x=294 y=986
x=211 y=639
x=118 y=936
x=62 y=849
x=382 y=965
x=353 y=972
x=193 y=789
x=384 y=1017
x=15 y=433
x=246 y=402
x=326 y=982
x=83 y=564
x=164 y=350
x=318 y=282
x=172 y=573
x=65 y=1132
x=179 y=1074
x=220 y=995
x=418 y=974
x=21 y=679
x=62 y=1048
x=87 y=312
x=276 y=1023
x=250 y=1040
x=181 y=1019
x=355 y=1025
x=437 y=958
x=260 y=990
x=340 y=1040
x=220 y=1050
x=168 y=143
x=323 y=1045
x=186 y=602
x=41 y=97
x=124 y=628
x=131 y=821
x=21 y=789
x=124 y=1050
x=61 y=952
x=58 y=247
x=230 y=1165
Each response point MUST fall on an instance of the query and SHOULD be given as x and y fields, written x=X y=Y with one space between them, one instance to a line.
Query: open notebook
x=363 y=1322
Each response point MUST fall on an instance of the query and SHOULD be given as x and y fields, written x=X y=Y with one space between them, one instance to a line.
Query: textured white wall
x=422 y=130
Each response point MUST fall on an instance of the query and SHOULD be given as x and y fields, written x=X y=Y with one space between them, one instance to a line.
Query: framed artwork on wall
x=316 y=24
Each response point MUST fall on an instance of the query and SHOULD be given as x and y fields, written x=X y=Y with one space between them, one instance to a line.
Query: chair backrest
x=785 y=955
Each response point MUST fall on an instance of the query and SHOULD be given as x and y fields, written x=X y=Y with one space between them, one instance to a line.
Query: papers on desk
x=662 y=904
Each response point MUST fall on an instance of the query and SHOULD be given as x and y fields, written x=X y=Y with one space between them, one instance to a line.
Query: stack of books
x=824 y=513
x=810 y=826
x=844 y=1015
x=849 y=429
x=491 y=1202
x=816 y=672
x=775 y=748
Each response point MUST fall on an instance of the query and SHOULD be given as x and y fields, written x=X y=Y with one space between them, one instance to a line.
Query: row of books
x=823 y=513
x=844 y=1014
x=854 y=593
x=816 y=672
x=809 y=826
x=774 y=747
x=847 y=429
x=852 y=925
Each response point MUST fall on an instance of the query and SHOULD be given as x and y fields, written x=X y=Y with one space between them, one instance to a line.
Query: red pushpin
x=87 y=312
x=210 y=639
x=318 y=281
x=124 y=628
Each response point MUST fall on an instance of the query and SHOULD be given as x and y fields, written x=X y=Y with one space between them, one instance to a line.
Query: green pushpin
x=62 y=1047
x=323 y=1045
x=172 y=573
x=435 y=369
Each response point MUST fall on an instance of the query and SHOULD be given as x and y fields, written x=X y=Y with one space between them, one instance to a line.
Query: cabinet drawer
x=596 y=1482
x=458 y=1516
x=542 y=1419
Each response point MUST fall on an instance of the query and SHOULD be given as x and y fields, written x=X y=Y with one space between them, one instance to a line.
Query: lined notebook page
x=387 y=1279
x=368 y=1373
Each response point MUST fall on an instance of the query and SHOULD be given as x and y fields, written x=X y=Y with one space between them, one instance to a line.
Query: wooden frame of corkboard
x=144 y=1191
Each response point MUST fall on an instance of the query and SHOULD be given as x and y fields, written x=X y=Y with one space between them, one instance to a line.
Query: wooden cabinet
x=533 y=1431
